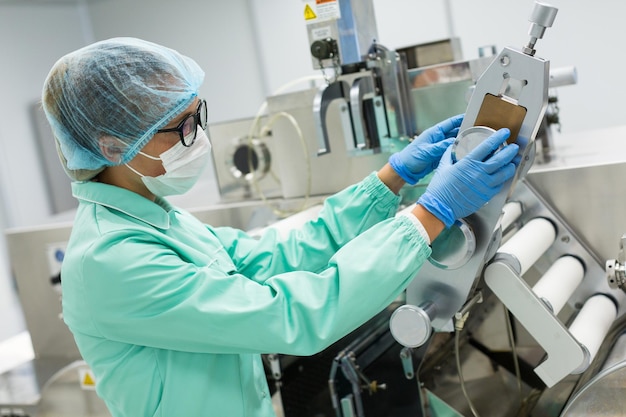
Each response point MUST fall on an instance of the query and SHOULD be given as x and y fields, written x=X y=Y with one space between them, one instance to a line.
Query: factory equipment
x=372 y=102
x=486 y=256
x=511 y=93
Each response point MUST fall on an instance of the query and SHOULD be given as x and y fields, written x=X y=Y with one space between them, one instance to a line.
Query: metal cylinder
x=411 y=325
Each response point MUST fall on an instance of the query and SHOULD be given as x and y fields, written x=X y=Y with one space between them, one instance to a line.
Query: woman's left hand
x=422 y=155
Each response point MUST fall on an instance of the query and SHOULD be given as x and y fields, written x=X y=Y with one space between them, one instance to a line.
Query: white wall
x=217 y=34
x=32 y=38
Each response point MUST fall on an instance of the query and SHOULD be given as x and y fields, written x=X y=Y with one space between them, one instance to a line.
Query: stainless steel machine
x=517 y=252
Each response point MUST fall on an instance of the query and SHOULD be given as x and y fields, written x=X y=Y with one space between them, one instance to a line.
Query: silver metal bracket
x=616 y=268
x=565 y=354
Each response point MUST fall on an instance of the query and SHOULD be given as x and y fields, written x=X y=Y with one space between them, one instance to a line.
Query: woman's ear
x=111 y=148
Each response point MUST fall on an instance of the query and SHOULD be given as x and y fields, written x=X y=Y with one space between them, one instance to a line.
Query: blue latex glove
x=422 y=155
x=458 y=190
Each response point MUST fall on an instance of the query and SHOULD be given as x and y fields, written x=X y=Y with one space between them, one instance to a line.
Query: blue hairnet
x=122 y=88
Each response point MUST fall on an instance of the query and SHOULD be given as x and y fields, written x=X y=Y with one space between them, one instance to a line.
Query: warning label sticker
x=321 y=10
x=87 y=379
x=309 y=14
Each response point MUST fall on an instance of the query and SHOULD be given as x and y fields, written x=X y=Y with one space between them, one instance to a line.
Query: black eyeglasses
x=188 y=128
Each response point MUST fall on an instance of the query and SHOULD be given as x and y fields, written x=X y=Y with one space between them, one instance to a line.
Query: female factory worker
x=171 y=314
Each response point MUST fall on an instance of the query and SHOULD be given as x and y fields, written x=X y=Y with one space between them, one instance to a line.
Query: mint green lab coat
x=172 y=315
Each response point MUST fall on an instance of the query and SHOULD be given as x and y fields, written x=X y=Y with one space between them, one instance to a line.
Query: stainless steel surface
x=66 y=395
x=454 y=246
x=25 y=388
x=226 y=138
x=601 y=397
x=524 y=81
x=432 y=53
x=410 y=325
x=362 y=89
x=30 y=251
x=328 y=173
x=516 y=78
x=584 y=196
x=560 y=77
x=519 y=78
x=443 y=90
x=468 y=140
x=402 y=105
x=390 y=69
x=449 y=288
x=338 y=90
x=617 y=353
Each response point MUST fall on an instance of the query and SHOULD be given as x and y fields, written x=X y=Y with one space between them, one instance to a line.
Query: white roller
x=530 y=242
x=563 y=76
x=510 y=213
x=560 y=281
x=593 y=322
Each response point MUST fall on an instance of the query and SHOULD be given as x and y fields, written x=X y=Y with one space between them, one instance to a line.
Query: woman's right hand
x=459 y=189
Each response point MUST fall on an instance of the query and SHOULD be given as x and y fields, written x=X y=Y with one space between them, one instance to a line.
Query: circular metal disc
x=468 y=140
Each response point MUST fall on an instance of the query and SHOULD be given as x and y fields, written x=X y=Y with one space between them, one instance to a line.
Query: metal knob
x=324 y=49
x=541 y=18
x=411 y=325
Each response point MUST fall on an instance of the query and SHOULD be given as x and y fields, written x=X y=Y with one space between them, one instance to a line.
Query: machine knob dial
x=324 y=48
x=411 y=325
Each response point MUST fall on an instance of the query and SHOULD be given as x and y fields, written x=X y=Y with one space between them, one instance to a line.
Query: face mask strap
x=134 y=170
x=154 y=158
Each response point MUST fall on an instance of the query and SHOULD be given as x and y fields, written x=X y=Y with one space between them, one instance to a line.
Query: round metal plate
x=469 y=139
x=453 y=247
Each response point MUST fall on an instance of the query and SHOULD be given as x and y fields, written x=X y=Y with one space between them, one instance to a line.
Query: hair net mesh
x=122 y=88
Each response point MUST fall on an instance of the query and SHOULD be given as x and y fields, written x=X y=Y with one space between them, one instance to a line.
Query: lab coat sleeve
x=140 y=292
x=344 y=216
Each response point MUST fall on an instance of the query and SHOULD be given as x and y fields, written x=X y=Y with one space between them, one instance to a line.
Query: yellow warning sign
x=309 y=14
x=87 y=379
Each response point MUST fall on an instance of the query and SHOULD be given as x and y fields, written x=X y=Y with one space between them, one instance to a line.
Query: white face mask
x=183 y=166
